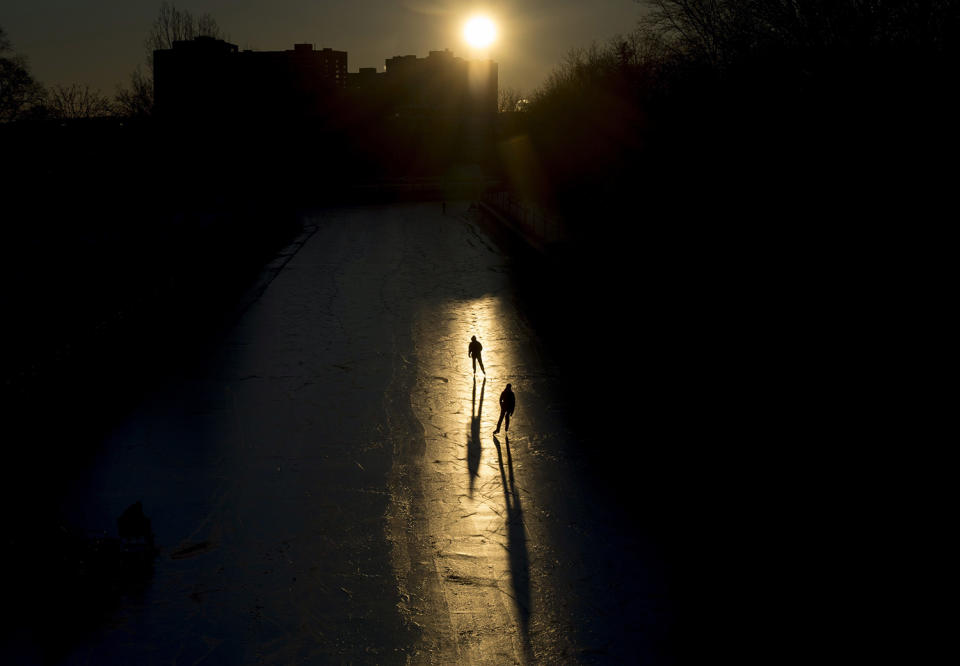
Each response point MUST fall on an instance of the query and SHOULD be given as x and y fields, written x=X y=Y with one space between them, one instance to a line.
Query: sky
x=99 y=42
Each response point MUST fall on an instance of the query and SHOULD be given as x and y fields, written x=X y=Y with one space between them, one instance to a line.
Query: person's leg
x=508 y=421
x=502 y=412
x=474 y=364
x=480 y=359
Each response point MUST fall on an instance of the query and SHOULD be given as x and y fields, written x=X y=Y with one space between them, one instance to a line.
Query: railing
x=530 y=219
x=435 y=187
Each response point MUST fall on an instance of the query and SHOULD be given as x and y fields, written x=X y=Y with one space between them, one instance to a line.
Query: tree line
x=748 y=93
x=22 y=97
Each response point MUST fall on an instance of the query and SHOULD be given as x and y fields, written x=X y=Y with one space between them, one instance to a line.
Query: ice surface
x=328 y=489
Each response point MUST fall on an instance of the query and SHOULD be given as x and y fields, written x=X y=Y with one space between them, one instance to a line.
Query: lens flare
x=479 y=32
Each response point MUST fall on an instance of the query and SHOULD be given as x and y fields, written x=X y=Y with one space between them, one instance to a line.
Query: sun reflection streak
x=474 y=513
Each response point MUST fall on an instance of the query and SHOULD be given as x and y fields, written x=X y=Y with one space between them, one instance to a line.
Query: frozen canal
x=328 y=488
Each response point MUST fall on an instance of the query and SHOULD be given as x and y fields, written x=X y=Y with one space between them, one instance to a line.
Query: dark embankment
x=125 y=251
x=741 y=209
x=131 y=248
x=705 y=367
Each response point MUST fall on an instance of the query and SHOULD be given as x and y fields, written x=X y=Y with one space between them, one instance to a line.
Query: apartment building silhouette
x=211 y=78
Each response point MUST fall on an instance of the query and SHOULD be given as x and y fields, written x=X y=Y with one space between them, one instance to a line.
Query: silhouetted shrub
x=21 y=96
x=719 y=105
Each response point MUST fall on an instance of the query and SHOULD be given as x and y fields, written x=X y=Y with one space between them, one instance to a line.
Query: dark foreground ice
x=328 y=488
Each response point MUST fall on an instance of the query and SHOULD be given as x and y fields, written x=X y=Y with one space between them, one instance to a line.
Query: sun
x=480 y=32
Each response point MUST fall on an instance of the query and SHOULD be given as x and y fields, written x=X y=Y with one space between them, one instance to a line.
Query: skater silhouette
x=474 y=351
x=508 y=402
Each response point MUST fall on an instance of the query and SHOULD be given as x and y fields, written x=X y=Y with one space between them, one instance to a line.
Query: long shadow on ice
x=473 y=440
x=516 y=545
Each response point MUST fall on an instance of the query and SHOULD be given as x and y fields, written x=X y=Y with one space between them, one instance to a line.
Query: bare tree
x=703 y=29
x=20 y=95
x=207 y=26
x=135 y=100
x=172 y=25
x=580 y=69
x=720 y=31
x=508 y=99
x=76 y=101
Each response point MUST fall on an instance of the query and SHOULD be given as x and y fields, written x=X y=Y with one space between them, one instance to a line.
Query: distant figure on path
x=474 y=350
x=508 y=402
